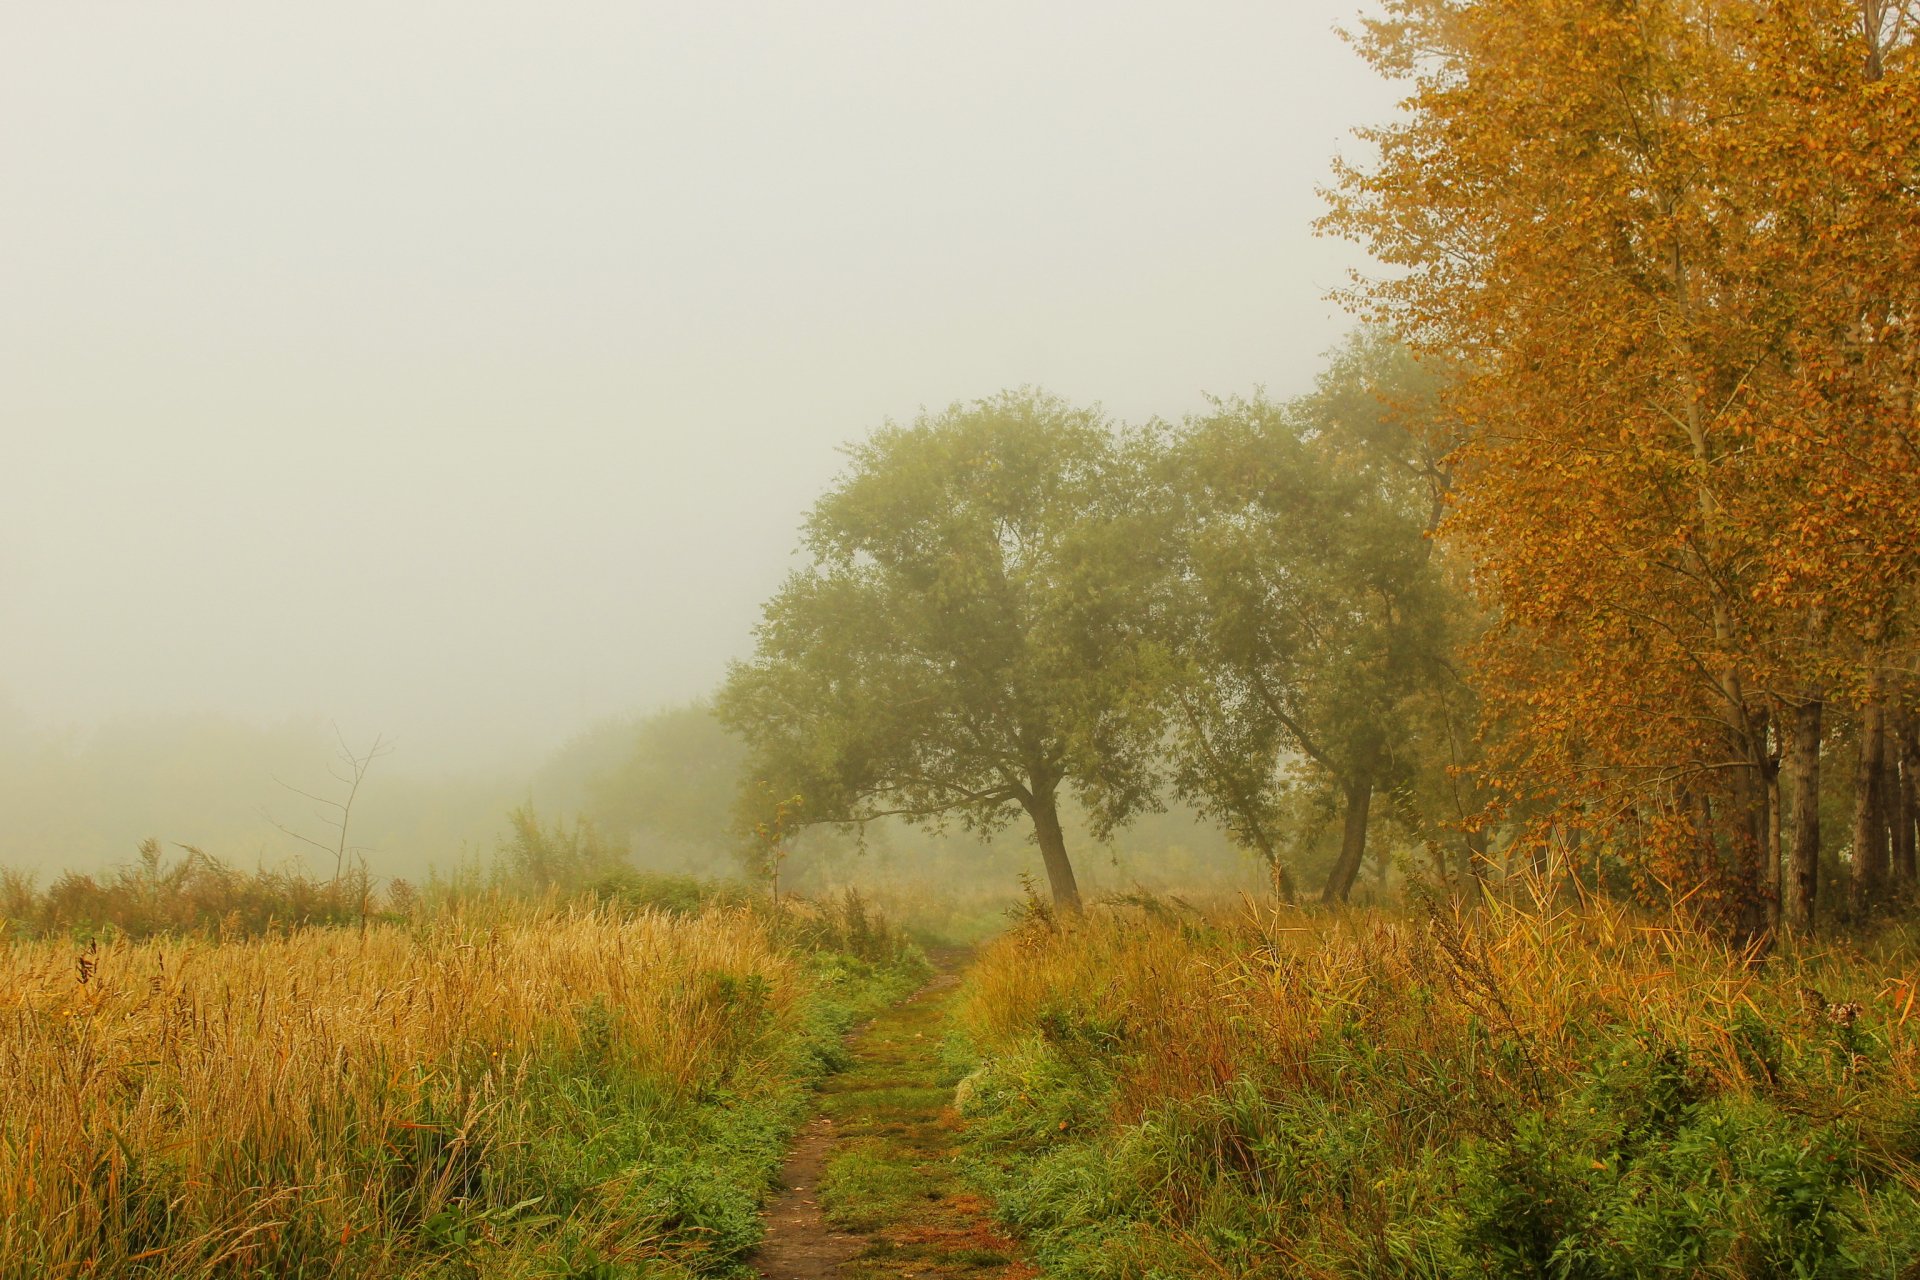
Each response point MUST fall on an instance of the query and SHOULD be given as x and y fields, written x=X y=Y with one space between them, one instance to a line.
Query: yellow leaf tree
x=1674 y=248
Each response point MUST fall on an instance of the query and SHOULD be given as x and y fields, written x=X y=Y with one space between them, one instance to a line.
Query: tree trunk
x=1706 y=845
x=1756 y=848
x=1353 y=842
x=1910 y=771
x=1896 y=772
x=1802 y=872
x=1869 y=812
x=1276 y=865
x=1477 y=863
x=1053 y=850
x=1772 y=853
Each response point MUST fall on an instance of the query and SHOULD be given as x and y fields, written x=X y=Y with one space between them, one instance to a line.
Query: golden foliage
x=1674 y=248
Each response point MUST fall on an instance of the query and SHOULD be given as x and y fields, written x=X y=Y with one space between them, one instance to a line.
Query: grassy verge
x=498 y=1090
x=1576 y=1094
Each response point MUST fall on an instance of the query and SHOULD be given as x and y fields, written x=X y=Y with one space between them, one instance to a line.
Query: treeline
x=192 y=892
x=1599 y=551
x=250 y=792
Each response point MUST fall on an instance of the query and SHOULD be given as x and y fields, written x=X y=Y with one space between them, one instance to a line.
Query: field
x=512 y=1087
x=496 y=1089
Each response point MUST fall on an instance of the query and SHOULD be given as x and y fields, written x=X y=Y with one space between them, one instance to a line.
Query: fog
x=461 y=372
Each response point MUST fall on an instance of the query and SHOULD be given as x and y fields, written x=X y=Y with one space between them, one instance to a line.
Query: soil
x=798 y=1244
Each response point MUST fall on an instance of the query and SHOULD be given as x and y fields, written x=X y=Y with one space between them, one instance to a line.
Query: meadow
x=1536 y=1088
x=494 y=1087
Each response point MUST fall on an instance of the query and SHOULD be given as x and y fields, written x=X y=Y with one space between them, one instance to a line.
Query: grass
x=499 y=1089
x=193 y=893
x=1524 y=1091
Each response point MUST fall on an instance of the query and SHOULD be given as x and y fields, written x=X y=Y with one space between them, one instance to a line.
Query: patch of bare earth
x=799 y=1245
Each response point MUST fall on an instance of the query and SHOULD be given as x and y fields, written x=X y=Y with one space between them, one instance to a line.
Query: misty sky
x=462 y=370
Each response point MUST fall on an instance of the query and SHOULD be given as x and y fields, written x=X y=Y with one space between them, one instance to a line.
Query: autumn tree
x=968 y=639
x=1671 y=248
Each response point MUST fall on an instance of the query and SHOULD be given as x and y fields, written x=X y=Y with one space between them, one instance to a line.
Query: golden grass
x=1201 y=1002
x=188 y=1107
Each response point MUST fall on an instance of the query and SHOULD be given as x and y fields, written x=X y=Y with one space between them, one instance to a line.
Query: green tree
x=671 y=791
x=968 y=638
x=1314 y=622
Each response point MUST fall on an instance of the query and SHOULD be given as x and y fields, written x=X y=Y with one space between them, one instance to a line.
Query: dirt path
x=872 y=1188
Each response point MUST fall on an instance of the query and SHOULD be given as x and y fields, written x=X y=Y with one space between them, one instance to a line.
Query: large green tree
x=970 y=638
x=1314 y=623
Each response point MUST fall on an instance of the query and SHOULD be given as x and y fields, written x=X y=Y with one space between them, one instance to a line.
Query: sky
x=462 y=371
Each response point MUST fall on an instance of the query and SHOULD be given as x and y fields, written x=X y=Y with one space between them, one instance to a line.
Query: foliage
x=965 y=640
x=668 y=788
x=194 y=894
x=1521 y=1091
x=1312 y=615
x=1670 y=250
x=533 y=858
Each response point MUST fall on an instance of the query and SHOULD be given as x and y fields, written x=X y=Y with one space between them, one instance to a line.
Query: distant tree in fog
x=967 y=641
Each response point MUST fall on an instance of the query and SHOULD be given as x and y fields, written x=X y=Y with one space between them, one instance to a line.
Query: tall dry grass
x=1204 y=1000
x=1444 y=1092
x=322 y=1103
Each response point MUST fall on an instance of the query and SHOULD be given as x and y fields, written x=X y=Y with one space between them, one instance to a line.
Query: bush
x=195 y=894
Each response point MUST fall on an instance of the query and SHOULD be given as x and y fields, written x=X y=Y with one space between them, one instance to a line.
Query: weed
x=492 y=1088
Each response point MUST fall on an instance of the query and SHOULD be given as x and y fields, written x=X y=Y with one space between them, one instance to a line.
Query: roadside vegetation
x=1525 y=1089
x=1574 y=607
x=490 y=1087
x=892 y=1179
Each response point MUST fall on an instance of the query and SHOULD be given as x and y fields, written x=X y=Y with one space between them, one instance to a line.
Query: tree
x=1315 y=624
x=666 y=787
x=971 y=636
x=1689 y=486
x=335 y=812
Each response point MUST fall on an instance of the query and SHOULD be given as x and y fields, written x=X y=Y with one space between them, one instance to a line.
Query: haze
x=462 y=372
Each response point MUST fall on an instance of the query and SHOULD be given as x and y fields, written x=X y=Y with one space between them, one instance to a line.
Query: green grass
x=643 y=1183
x=524 y=1091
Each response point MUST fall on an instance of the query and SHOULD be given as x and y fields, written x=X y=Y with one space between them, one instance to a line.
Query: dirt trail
x=872 y=1188
x=799 y=1244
